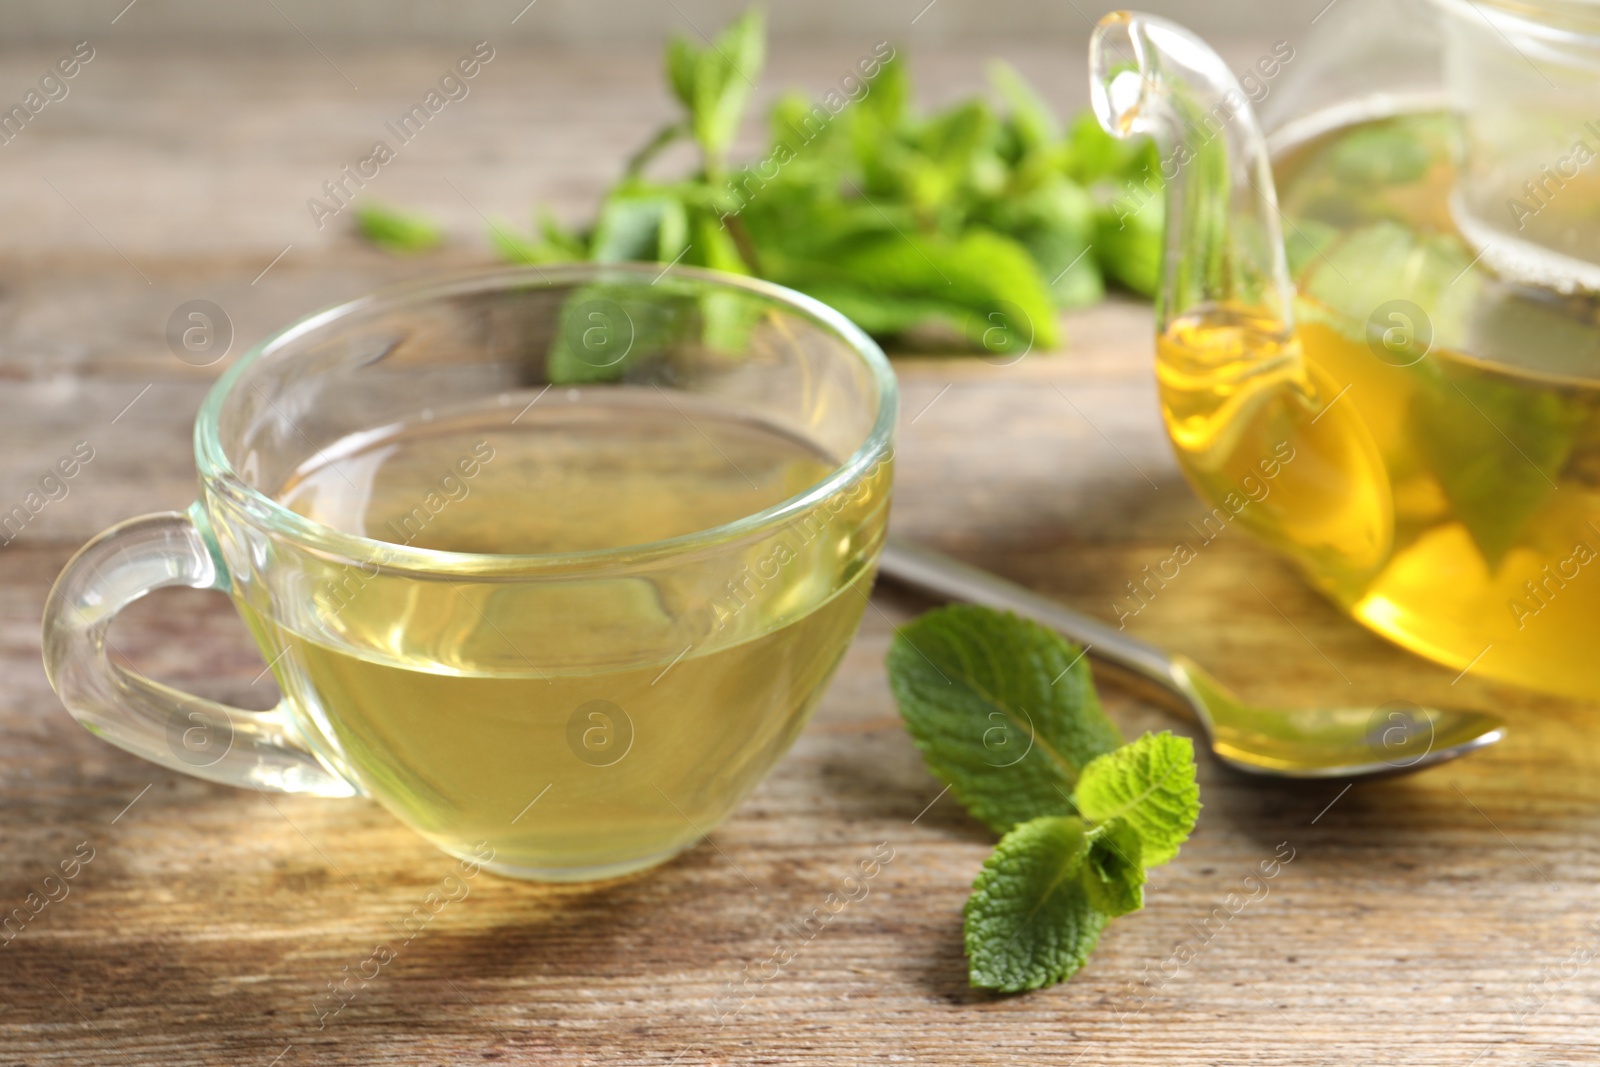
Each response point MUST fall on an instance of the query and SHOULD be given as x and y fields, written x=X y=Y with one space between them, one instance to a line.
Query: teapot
x=1378 y=327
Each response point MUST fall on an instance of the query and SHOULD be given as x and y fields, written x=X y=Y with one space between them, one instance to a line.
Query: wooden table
x=1420 y=921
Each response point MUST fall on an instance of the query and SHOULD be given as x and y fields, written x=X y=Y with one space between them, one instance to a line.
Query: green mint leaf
x=1078 y=281
x=953 y=137
x=964 y=279
x=1003 y=710
x=1495 y=446
x=1029 y=921
x=879 y=314
x=1381 y=262
x=727 y=321
x=714 y=83
x=682 y=60
x=397 y=231
x=803 y=229
x=741 y=51
x=713 y=245
x=1149 y=785
x=555 y=244
x=888 y=100
x=940 y=165
x=514 y=248
x=1113 y=874
x=810 y=140
x=569 y=244
x=1307 y=240
x=1055 y=223
x=876 y=130
x=1029 y=114
x=640 y=224
x=727 y=318
x=1093 y=155
x=1128 y=243
x=1381 y=154
x=1371 y=173
x=606 y=333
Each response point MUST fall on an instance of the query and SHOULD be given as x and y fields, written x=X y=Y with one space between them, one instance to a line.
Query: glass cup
x=553 y=563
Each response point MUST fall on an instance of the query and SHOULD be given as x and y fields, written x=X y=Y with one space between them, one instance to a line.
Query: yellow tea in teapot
x=1443 y=424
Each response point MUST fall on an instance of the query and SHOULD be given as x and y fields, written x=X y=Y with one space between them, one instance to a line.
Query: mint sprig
x=1005 y=713
x=714 y=83
x=395 y=231
x=977 y=221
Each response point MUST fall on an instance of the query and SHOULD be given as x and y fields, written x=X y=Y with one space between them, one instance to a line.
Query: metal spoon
x=1351 y=742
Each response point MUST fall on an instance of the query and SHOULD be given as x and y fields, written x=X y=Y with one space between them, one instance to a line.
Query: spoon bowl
x=1339 y=742
x=1397 y=737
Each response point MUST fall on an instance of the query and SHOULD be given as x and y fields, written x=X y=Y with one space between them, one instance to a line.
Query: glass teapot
x=1378 y=328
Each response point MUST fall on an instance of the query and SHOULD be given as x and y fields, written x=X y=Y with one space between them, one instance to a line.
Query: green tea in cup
x=554 y=563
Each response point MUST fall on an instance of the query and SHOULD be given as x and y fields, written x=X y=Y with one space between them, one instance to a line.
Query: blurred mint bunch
x=975 y=218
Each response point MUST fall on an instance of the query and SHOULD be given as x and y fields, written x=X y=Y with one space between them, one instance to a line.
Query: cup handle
x=261 y=750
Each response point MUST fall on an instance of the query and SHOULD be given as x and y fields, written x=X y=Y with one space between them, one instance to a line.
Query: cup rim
x=217 y=472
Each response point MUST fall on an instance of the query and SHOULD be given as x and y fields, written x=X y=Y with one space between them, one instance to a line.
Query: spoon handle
x=939 y=575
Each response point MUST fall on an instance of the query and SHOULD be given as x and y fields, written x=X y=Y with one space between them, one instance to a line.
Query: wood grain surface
x=1442 y=919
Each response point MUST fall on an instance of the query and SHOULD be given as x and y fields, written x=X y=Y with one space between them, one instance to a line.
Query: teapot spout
x=1223 y=252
